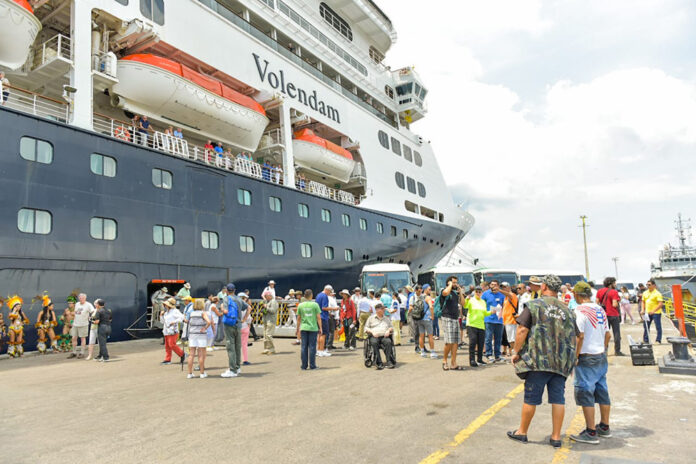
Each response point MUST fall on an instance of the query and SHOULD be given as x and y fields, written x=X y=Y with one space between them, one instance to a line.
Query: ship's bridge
x=410 y=95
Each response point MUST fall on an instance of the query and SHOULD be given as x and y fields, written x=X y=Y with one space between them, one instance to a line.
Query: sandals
x=445 y=367
x=457 y=368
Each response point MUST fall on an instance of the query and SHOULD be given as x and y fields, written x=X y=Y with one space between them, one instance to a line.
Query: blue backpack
x=232 y=316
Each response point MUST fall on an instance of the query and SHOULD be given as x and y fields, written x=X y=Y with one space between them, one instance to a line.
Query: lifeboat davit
x=321 y=156
x=158 y=87
x=18 y=30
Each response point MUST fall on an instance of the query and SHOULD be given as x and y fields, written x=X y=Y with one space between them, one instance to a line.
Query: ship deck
x=133 y=410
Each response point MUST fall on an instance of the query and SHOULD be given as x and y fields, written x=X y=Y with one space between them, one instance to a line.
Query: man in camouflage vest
x=544 y=356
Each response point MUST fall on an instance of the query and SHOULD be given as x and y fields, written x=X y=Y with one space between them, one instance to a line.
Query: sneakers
x=246 y=363
x=165 y=363
x=352 y=348
x=99 y=359
x=418 y=350
x=323 y=354
x=72 y=355
x=473 y=364
x=603 y=430
x=190 y=376
x=433 y=355
x=204 y=375
x=88 y=358
x=265 y=352
x=424 y=354
x=586 y=437
x=228 y=373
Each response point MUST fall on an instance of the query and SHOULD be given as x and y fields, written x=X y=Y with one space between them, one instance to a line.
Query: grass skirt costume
x=16 y=328
x=65 y=339
x=45 y=325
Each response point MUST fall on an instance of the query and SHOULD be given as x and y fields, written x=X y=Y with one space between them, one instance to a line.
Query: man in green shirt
x=476 y=327
x=308 y=325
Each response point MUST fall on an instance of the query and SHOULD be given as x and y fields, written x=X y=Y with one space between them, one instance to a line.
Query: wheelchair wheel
x=368 y=363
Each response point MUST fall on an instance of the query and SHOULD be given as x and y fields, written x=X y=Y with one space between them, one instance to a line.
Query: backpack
x=418 y=309
x=232 y=316
x=438 y=306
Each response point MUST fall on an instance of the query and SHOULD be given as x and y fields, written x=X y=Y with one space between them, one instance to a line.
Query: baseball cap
x=504 y=284
x=426 y=286
x=230 y=287
x=583 y=288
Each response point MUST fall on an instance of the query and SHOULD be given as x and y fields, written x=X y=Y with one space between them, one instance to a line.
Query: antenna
x=584 y=226
x=683 y=228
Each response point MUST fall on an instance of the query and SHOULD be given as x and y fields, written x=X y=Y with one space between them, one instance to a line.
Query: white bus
x=501 y=275
x=437 y=276
x=392 y=276
x=567 y=276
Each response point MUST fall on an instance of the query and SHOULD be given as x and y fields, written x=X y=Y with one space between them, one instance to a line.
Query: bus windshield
x=378 y=280
x=464 y=279
x=509 y=277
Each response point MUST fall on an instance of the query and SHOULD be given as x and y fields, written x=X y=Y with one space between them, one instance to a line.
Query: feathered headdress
x=14 y=301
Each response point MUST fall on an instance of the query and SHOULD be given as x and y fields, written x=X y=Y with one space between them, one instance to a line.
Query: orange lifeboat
x=322 y=156
x=18 y=30
x=159 y=87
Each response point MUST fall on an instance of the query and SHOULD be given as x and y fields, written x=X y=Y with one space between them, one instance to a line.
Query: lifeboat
x=321 y=156
x=162 y=88
x=18 y=30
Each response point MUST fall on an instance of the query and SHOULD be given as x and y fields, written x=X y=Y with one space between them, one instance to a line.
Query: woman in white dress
x=198 y=324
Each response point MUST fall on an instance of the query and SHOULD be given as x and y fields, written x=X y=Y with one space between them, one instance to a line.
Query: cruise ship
x=677 y=264
x=148 y=142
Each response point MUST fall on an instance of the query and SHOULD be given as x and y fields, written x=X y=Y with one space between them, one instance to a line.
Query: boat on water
x=677 y=264
x=297 y=86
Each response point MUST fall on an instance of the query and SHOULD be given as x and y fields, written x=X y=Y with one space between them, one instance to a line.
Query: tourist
x=334 y=320
x=494 y=299
x=449 y=302
x=209 y=149
x=221 y=302
x=291 y=304
x=309 y=323
x=534 y=288
x=216 y=309
x=45 y=322
x=594 y=291
x=144 y=129
x=379 y=329
x=218 y=148
x=270 y=316
x=252 y=328
x=416 y=312
x=278 y=174
x=246 y=323
x=477 y=310
x=171 y=319
x=651 y=311
x=103 y=318
x=625 y=304
x=544 y=356
x=184 y=291
x=270 y=289
x=157 y=299
x=591 y=370
x=639 y=294
x=365 y=309
x=67 y=319
x=234 y=312
x=93 y=336
x=348 y=319
x=211 y=311
x=403 y=299
x=431 y=301
x=323 y=301
x=80 y=327
x=198 y=323
x=609 y=299
x=509 y=313
x=2 y=327
x=266 y=171
x=395 y=316
x=178 y=133
x=16 y=329
x=5 y=87
x=425 y=326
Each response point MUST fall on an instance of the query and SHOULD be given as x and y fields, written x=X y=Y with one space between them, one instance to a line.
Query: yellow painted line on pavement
x=576 y=426
x=473 y=426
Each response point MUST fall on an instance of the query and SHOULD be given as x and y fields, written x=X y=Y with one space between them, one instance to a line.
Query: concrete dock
x=133 y=410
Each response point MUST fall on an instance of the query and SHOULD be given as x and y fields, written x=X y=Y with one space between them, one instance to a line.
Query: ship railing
x=271 y=138
x=33 y=103
x=174 y=145
x=57 y=46
x=689 y=310
x=325 y=191
x=103 y=63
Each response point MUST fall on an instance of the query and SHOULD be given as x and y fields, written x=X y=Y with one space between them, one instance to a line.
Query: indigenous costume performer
x=65 y=340
x=2 y=325
x=17 y=321
x=45 y=324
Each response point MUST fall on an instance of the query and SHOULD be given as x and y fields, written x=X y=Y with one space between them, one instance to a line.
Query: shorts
x=511 y=332
x=79 y=332
x=425 y=327
x=93 y=335
x=591 y=380
x=197 y=341
x=534 y=385
x=325 y=327
x=449 y=329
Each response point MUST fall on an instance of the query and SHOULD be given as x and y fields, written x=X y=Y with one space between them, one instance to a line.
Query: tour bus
x=392 y=276
x=567 y=277
x=436 y=277
x=501 y=275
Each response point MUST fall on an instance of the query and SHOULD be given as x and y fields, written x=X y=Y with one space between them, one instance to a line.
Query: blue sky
x=553 y=109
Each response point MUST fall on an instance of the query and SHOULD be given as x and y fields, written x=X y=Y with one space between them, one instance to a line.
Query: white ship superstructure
x=677 y=264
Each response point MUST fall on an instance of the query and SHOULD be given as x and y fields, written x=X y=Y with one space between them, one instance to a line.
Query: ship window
x=396 y=146
x=407 y=153
x=306 y=250
x=383 y=139
x=338 y=23
x=209 y=239
x=441 y=217
x=246 y=243
x=417 y=158
x=122 y=2
x=102 y=228
x=345 y=219
x=393 y=231
x=400 y=180
x=376 y=55
x=244 y=197
x=363 y=224
x=411 y=184
x=163 y=235
x=328 y=252
x=380 y=228
x=348 y=254
x=404 y=89
x=34 y=221
x=102 y=165
x=325 y=215
x=32 y=149
x=303 y=210
x=405 y=233
x=162 y=179
x=389 y=91
x=278 y=247
x=153 y=10
x=410 y=206
x=421 y=190
x=275 y=204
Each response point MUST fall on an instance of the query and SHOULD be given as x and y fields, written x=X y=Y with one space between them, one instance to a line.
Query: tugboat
x=677 y=264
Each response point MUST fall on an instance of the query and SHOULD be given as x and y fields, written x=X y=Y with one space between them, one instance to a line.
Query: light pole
x=616 y=267
x=584 y=226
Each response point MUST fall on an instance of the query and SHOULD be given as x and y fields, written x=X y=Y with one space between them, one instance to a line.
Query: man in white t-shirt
x=80 y=327
x=334 y=319
x=270 y=288
x=591 y=370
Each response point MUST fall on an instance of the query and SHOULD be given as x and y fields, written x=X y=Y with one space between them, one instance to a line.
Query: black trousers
x=615 y=324
x=349 y=333
x=386 y=344
x=252 y=331
x=477 y=338
x=103 y=333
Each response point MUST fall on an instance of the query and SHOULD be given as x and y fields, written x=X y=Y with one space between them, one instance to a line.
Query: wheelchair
x=369 y=355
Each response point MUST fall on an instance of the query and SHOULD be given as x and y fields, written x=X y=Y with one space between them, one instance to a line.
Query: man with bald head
x=323 y=301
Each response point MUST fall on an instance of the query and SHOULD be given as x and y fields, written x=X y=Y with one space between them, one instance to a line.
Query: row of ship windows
x=396 y=147
x=410 y=184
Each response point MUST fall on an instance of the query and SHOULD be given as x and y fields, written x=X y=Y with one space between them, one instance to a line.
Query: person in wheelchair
x=379 y=330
